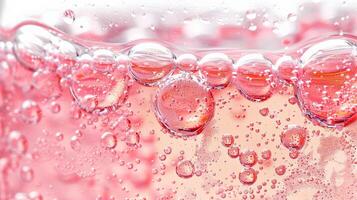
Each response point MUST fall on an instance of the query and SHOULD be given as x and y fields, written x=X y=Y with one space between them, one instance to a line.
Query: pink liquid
x=147 y=120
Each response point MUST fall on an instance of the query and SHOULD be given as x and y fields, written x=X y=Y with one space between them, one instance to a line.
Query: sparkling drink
x=83 y=116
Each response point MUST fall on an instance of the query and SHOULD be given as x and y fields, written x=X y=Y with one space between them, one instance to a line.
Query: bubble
x=292 y=17
x=104 y=60
x=248 y=176
x=29 y=45
x=233 y=152
x=122 y=123
x=185 y=169
x=17 y=142
x=75 y=143
x=30 y=112
x=132 y=138
x=294 y=137
x=264 y=111
x=216 y=68
x=94 y=90
x=108 y=140
x=47 y=83
x=254 y=77
x=287 y=69
x=150 y=62
x=183 y=105
x=187 y=62
x=26 y=173
x=248 y=158
x=227 y=140
x=59 y=136
x=266 y=155
x=327 y=82
x=69 y=16
x=55 y=107
x=280 y=170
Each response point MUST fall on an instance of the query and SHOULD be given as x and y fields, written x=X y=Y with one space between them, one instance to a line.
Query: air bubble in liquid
x=47 y=83
x=108 y=140
x=30 y=112
x=185 y=169
x=187 y=62
x=328 y=82
x=17 y=142
x=104 y=60
x=294 y=137
x=248 y=176
x=150 y=62
x=216 y=68
x=69 y=16
x=184 y=105
x=29 y=45
x=95 y=90
x=132 y=138
x=248 y=158
x=233 y=152
x=287 y=69
x=254 y=77
x=26 y=173
x=227 y=140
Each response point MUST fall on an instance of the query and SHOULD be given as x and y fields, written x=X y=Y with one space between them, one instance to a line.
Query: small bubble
x=264 y=111
x=233 y=152
x=69 y=16
x=248 y=176
x=294 y=137
x=248 y=158
x=75 y=143
x=26 y=173
x=18 y=142
x=30 y=112
x=132 y=138
x=292 y=17
x=185 y=169
x=59 y=136
x=227 y=140
x=108 y=140
x=266 y=154
x=280 y=170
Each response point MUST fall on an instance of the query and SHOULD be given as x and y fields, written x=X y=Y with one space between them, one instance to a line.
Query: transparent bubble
x=30 y=112
x=294 y=137
x=327 y=82
x=108 y=140
x=104 y=60
x=29 y=45
x=216 y=68
x=17 y=142
x=248 y=158
x=233 y=152
x=248 y=176
x=94 y=90
x=47 y=83
x=26 y=173
x=132 y=138
x=69 y=16
x=183 y=105
x=187 y=62
x=254 y=77
x=287 y=69
x=150 y=62
x=227 y=140
x=185 y=169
